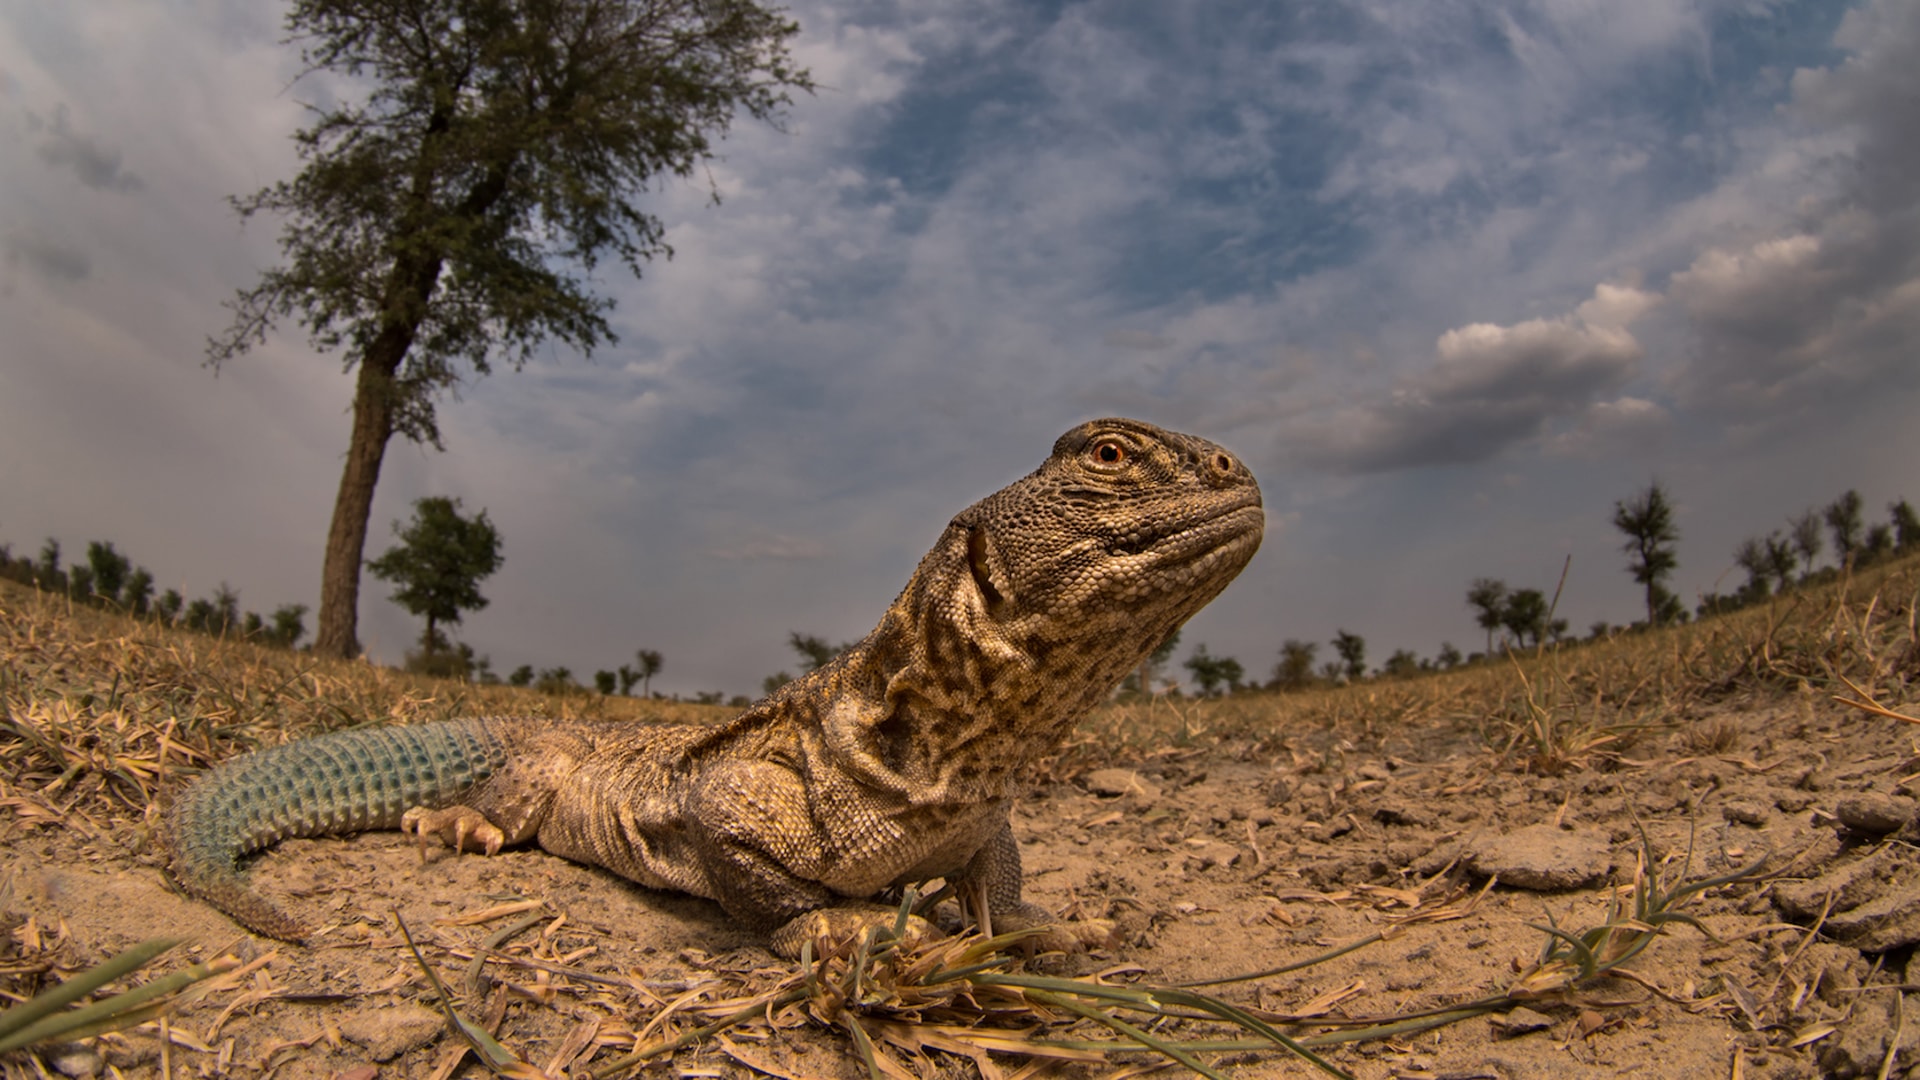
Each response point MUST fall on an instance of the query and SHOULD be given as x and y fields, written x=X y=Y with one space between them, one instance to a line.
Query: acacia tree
x=1295 y=669
x=1352 y=650
x=438 y=565
x=1843 y=520
x=447 y=217
x=650 y=663
x=1906 y=525
x=1488 y=597
x=1804 y=532
x=1647 y=519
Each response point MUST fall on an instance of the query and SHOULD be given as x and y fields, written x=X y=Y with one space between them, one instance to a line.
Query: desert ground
x=1684 y=853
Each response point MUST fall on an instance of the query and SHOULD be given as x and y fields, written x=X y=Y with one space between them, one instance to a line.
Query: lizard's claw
x=461 y=828
x=837 y=929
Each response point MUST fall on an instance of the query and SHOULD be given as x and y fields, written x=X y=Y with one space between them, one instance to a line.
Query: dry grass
x=100 y=710
x=1569 y=706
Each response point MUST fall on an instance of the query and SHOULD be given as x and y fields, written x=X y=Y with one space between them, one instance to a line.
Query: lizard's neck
x=956 y=702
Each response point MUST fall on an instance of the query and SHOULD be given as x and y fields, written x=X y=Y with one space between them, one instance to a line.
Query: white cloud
x=1490 y=387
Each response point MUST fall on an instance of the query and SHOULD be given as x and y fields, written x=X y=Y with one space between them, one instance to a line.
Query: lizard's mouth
x=1186 y=538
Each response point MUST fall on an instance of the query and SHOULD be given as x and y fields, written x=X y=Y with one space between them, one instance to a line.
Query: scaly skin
x=893 y=764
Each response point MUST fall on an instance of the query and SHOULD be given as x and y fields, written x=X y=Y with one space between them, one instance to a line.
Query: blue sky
x=1452 y=277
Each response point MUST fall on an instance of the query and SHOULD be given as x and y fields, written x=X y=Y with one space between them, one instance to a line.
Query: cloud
x=48 y=258
x=1826 y=309
x=96 y=166
x=1136 y=340
x=775 y=546
x=1623 y=425
x=1491 y=387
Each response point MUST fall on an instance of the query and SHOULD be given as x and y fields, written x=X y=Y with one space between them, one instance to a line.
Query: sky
x=1451 y=277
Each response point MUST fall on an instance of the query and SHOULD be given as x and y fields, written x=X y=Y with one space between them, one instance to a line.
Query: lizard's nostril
x=1222 y=463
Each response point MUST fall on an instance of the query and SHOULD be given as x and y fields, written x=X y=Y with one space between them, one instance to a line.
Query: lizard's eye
x=1110 y=452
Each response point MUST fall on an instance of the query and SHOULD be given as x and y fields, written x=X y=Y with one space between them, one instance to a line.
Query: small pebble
x=1874 y=813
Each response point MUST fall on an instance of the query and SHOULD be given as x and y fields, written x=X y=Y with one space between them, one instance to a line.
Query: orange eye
x=1110 y=453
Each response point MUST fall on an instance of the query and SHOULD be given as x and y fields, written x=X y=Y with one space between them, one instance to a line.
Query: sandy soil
x=1217 y=860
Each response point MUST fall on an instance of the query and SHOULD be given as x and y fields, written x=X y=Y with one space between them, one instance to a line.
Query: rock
x=1541 y=857
x=75 y=1060
x=1851 y=885
x=1521 y=1021
x=1115 y=782
x=1744 y=813
x=1874 y=813
x=1401 y=812
x=388 y=1033
x=1857 y=1048
x=1876 y=901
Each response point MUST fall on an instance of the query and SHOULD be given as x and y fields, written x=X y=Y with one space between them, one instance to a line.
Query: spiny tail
x=345 y=782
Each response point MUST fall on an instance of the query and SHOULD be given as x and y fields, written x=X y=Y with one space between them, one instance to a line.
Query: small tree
x=1803 y=531
x=1295 y=669
x=1781 y=560
x=815 y=652
x=1448 y=657
x=774 y=682
x=1879 y=542
x=1842 y=516
x=650 y=664
x=168 y=606
x=1156 y=660
x=628 y=675
x=110 y=570
x=604 y=681
x=1647 y=520
x=46 y=572
x=1211 y=672
x=438 y=565
x=226 y=610
x=521 y=676
x=1906 y=526
x=555 y=680
x=1751 y=556
x=80 y=582
x=289 y=625
x=1401 y=664
x=136 y=595
x=1352 y=650
x=1488 y=598
x=1526 y=616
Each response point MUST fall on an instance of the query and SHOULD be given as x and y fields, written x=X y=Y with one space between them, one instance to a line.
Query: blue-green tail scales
x=345 y=782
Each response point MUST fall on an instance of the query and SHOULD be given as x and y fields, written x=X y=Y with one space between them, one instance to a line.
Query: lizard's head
x=1039 y=598
x=1125 y=525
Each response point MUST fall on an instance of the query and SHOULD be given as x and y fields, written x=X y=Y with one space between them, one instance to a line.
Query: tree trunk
x=338 y=632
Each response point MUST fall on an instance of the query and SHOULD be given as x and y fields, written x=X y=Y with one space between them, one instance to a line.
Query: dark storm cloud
x=50 y=259
x=95 y=165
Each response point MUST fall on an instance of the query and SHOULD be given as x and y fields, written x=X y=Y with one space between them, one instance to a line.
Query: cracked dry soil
x=1214 y=860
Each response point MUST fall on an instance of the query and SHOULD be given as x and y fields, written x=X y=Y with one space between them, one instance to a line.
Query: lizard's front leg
x=767 y=860
x=993 y=874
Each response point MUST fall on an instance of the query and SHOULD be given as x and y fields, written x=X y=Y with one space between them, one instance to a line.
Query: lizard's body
x=894 y=763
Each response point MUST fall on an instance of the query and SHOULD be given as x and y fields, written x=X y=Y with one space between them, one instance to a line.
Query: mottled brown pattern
x=893 y=764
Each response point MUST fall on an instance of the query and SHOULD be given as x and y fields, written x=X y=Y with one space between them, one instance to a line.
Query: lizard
x=895 y=763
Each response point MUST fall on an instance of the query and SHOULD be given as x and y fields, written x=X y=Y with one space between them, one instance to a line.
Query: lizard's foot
x=461 y=828
x=1056 y=935
x=836 y=929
